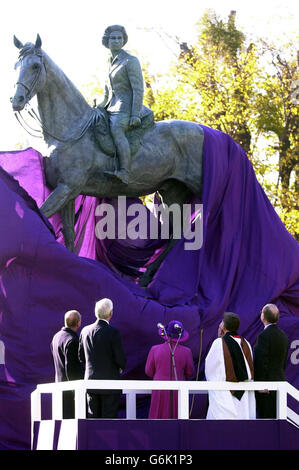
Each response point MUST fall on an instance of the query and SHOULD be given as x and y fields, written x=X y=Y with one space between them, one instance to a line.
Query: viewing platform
x=183 y=433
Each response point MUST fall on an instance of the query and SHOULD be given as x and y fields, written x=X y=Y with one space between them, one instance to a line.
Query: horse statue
x=168 y=160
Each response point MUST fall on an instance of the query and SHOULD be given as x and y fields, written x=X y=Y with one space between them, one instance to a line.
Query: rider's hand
x=135 y=121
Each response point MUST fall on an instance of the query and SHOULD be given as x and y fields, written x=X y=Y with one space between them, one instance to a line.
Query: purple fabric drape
x=247 y=259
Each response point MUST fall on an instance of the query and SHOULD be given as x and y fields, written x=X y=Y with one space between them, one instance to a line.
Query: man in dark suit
x=270 y=356
x=64 y=349
x=101 y=351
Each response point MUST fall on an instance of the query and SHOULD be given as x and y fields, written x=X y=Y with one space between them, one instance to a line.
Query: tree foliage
x=214 y=81
x=246 y=90
x=250 y=90
x=277 y=114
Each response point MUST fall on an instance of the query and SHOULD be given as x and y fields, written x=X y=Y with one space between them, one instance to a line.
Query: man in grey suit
x=123 y=95
x=101 y=352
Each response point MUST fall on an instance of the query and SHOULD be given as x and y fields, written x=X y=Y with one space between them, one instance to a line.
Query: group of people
x=98 y=354
x=231 y=358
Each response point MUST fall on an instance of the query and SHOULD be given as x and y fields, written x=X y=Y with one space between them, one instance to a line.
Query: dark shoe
x=123 y=175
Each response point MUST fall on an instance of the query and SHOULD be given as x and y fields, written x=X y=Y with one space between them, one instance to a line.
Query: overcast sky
x=71 y=33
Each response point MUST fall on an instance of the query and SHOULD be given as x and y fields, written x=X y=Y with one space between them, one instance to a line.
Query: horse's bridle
x=30 y=88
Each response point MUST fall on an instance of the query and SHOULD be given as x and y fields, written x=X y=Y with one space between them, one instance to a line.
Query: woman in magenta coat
x=168 y=361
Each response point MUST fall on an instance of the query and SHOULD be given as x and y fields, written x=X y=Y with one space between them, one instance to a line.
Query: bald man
x=64 y=349
x=270 y=357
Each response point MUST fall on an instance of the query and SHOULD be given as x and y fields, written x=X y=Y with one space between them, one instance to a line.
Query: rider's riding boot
x=122 y=174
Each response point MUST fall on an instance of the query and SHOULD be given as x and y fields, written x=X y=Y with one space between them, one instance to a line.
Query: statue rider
x=123 y=98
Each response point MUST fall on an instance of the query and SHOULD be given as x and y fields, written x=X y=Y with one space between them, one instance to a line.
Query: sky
x=71 y=34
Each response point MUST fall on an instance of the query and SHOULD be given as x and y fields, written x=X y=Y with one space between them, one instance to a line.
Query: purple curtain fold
x=246 y=260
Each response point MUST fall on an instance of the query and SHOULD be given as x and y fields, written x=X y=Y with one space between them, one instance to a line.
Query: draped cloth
x=247 y=259
x=224 y=404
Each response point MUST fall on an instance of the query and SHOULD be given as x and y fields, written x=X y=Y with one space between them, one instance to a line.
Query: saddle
x=103 y=137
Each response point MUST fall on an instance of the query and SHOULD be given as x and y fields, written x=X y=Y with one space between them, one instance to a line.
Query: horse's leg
x=62 y=200
x=67 y=214
x=173 y=192
x=56 y=200
x=147 y=277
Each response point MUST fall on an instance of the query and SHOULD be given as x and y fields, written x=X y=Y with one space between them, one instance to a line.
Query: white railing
x=133 y=387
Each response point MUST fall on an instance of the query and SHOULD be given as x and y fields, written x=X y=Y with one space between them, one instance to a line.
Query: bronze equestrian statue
x=165 y=157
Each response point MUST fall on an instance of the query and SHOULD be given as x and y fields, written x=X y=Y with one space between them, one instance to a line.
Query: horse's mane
x=28 y=49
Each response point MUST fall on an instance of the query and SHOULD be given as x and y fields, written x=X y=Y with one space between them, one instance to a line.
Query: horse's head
x=32 y=75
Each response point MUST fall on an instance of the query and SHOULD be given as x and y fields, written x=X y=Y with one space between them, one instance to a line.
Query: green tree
x=277 y=108
x=214 y=80
x=93 y=90
x=225 y=83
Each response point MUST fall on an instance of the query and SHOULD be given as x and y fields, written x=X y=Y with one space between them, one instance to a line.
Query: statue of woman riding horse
x=166 y=156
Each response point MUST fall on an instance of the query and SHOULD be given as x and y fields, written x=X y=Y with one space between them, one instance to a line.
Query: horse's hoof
x=144 y=281
x=123 y=176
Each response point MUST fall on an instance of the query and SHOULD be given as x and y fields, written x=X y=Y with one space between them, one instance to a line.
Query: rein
x=20 y=118
x=85 y=127
x=43 y=128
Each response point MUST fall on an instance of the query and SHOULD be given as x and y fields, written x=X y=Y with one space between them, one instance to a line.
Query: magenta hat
x=174 y=330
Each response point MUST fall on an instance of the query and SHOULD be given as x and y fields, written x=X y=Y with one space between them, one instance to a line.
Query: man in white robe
x=226 y=362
